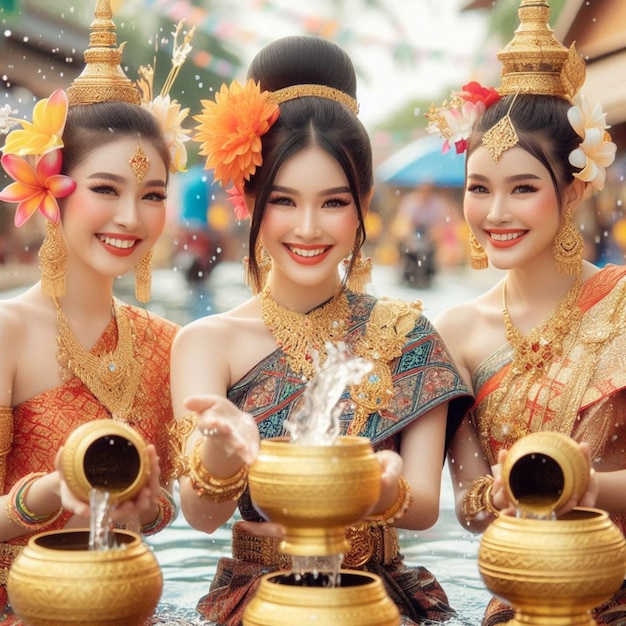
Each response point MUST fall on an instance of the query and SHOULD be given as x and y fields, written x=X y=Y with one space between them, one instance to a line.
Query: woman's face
x=111 y=220
x=511 y=207
x=311 y=220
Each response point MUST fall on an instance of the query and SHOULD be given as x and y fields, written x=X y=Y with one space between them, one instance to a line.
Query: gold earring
x=568 y=246
x=143 y=277
x=360 y=274
x=264 y=265
x=478 y=257
x=53 y=257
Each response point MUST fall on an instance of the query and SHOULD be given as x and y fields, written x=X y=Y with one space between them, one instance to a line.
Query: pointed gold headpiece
x=102 y=78
x=535 y=62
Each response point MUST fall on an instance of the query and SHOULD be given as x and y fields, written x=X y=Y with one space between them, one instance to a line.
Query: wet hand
x=226 y=425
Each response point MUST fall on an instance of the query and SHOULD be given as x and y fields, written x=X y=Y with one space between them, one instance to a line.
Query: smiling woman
x=96 y=164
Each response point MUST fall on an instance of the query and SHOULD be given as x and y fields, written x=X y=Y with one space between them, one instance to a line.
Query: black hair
x=308 y=121
x=543 y=129
x=90 y=126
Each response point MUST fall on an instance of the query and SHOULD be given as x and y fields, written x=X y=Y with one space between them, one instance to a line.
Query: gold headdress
x=102 y=78
x=535 y=62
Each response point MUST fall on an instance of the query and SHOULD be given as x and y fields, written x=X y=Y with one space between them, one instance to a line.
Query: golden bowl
x=542 y=471
x=553 y=571
x=108 y=455
x=57 y=580
x=315 y=491
x=359 y=600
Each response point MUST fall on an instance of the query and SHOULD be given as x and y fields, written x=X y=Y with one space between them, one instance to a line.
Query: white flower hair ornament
x=596 y=151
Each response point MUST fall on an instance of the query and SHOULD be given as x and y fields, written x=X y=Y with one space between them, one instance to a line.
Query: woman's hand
x=392 y=464
x=586 y=499
x=128 y=512
x=221 y=421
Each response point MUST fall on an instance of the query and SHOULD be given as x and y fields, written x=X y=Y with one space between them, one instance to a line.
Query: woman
x=543 y=348
x=242 y=373
x=72 y=352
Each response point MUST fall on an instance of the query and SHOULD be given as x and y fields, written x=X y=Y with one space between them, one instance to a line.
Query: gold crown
x=535 y=62
x=102 y=78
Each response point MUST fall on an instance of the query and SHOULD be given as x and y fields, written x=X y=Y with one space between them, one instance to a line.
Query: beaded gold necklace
x=299 y=335
x=112 y=377
x=533 y=353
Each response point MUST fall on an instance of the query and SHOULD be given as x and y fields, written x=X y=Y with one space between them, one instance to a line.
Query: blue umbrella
x=423 y=162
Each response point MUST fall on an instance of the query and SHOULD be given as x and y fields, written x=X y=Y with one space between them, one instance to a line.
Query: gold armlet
x=479 y=498
x=397 y=509
x=179 y=431
x=212 y=488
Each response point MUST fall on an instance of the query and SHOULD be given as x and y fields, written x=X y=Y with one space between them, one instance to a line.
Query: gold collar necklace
x=300 y=334
x=112 y=377
x=533 y=353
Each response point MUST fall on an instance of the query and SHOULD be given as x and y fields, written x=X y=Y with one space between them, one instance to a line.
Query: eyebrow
x=509 y=179
x=121 y=179
x=325 y=192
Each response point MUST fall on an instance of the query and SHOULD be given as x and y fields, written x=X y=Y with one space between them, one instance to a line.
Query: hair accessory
x=597 y=151
x=453 y=120
x=139 y=163
x=102 y=78
x=166 y=110
x=501 y=136
x=535 y=62
x=230 y=131
x=321 y=91
x=36 y=189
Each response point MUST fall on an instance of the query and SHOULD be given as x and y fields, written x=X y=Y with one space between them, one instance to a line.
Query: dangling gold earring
x=568 y=246
x=360 y=274
x=143 y=277
x=53 y=257
x=478 y=257
x=264 y=264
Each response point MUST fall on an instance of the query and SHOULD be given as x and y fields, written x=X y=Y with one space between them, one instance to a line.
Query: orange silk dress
x=42 y=424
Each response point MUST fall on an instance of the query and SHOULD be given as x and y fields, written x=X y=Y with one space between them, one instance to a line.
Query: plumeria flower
x=460 y=122
x=597 y=151
x=5 y=118
x=36 y=189
x=171 y=117
x=45 y=132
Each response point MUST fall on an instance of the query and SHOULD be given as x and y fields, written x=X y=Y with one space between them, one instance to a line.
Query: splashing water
x=100 y=535
x=316 y=423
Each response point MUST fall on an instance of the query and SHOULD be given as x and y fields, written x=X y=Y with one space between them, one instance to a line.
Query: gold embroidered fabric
x=6 y=439
x=583 y=390
x=43 y=423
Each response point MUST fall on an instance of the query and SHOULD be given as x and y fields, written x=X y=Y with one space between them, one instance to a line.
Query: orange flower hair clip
x=230 y=131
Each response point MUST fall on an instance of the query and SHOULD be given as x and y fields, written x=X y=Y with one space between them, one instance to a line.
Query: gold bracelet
x=478 y=498
x=19 y=513
x=397 y=509
x=212 y=488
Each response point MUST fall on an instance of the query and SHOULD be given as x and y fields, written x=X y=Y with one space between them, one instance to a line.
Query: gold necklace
x=532 y=357
x=300 y=334
x=112 y=377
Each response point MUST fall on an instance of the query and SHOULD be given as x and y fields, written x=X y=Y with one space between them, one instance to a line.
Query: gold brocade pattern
x=43 y=423
x=582 y=391
x=112 y=376
x=6 y=439
x=389 y=324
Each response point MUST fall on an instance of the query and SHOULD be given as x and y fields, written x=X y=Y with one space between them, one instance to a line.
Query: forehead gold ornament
x=535 y=62
x=139 y=163
x=501 y=136
x=102 y=78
